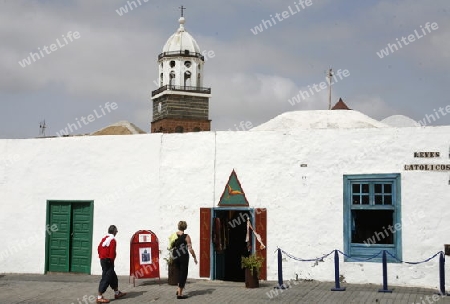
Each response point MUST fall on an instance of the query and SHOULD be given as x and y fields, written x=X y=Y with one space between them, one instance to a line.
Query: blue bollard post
x=337 y=286
x=442 y=275
x=280 y=272
x=385 y=285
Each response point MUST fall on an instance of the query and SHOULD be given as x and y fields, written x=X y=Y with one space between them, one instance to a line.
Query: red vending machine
x=144 y=255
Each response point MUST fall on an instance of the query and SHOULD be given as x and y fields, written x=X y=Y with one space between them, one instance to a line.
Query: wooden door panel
x=80 y=257
x=261 y=228
x=59 y=244
x=205 y=242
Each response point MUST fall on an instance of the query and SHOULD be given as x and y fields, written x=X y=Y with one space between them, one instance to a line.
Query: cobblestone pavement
x=77 y=289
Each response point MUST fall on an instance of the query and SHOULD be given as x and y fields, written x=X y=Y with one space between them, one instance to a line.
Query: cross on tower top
x=182 y=8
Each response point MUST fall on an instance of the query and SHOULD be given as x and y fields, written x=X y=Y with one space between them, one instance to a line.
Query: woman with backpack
x=181 y=249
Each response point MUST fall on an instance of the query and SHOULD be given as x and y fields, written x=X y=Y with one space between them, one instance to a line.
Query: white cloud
x=373 y=106
x=397 y=19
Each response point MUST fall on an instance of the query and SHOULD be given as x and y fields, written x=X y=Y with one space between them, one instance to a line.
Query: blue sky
x=252 y=76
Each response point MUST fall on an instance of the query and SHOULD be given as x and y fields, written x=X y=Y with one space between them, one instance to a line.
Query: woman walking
x=181 y=249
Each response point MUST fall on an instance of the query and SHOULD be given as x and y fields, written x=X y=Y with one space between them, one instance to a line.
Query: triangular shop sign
x=233 y=195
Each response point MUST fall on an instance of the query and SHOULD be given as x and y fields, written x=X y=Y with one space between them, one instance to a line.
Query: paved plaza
x=76 y=289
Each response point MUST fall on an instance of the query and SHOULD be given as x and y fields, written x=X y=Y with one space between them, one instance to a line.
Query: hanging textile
x=217 y=235
x=258 y=237
x=225 y=239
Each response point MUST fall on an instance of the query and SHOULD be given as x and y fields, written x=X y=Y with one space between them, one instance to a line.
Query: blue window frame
x=372 y=216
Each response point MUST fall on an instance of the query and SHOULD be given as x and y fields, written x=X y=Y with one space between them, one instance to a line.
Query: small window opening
x=172 y=77
x=187 y=79
x=373 y=227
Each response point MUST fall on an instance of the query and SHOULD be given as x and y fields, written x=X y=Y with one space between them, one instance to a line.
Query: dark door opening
x=229 y=245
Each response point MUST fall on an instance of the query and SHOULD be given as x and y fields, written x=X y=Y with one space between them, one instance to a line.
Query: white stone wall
x=152 y=181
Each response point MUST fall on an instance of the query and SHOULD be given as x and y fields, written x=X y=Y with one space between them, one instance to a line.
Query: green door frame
x=91 y=226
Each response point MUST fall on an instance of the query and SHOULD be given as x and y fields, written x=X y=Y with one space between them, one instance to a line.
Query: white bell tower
x=181 y=103
x=186 y=67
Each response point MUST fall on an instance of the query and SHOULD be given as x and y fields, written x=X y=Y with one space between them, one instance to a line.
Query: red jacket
x=107 y=252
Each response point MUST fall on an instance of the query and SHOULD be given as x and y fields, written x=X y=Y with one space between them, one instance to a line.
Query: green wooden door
x=70 y=247
x=80 y=252
x=58 y=253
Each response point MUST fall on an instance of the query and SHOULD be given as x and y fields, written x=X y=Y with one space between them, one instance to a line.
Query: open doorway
x=229 y=232
x=209 y=267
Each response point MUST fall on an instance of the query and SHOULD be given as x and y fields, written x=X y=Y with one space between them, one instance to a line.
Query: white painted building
x=314 y=181
x=151 y=181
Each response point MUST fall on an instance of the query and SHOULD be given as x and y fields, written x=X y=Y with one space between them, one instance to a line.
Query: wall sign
x=427 y=154
x=428 y=167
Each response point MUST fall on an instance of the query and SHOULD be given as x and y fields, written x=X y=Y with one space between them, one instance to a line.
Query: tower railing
x=185 y=53
x=181 y=88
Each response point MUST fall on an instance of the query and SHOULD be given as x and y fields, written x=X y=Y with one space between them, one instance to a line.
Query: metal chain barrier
x=414 y=263
x=384 y=264
x=359 y=260
x=306 y=260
